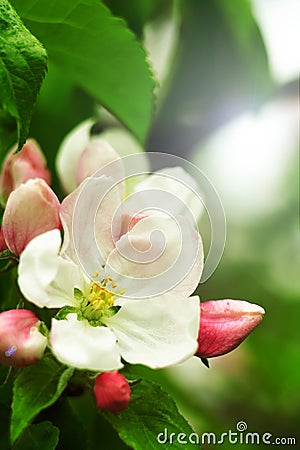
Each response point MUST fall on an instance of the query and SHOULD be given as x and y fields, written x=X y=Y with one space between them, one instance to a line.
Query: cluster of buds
x=32 y=208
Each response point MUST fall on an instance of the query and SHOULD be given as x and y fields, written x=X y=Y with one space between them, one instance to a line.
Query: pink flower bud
x=31 y=209
x=3 y=245
x=112 y=392
x=21 y=343
x=224 y=324
x=22 y=166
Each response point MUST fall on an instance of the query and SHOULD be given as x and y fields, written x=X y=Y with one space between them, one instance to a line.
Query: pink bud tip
x=21 y=343
x=31 y=209
x=22 y=166
x=224 y=324
x=112 y=392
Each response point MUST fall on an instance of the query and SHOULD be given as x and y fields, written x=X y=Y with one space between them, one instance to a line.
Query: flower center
x=99 y=298
x=98 y=302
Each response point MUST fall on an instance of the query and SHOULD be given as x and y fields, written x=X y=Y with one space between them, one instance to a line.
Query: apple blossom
x=31 y=209
x=19 y=167
x=82 y=153
x=95 y=328
x=224 y=324
x=112 y=392
x=97 y=324
x=21 y=343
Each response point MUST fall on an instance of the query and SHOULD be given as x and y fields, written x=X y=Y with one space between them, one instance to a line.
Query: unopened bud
x=31 y=209
x=21 y=343
x=112 y=392
x=224 y=324
x=20 y=167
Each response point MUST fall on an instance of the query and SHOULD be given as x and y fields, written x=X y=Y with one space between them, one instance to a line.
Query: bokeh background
x=227 y=100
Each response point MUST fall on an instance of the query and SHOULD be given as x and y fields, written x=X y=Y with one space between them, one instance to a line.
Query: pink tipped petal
x=21 y=344
x=159 y=254
x=112 y=392
x=20 y=167
x=97 y=154
x=224 y=324
x=87 y=218
x=69 y=152
x=31 y=209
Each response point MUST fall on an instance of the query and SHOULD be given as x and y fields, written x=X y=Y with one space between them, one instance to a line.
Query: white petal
x=99 y=158
x=69 y=151
x=182 y=187
x=78 y=344
x=159 y=254
x=87 y=216
x=157 y=332
x=45 y=278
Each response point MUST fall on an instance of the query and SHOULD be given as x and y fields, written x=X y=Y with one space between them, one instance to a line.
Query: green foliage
x=36 y=434
x=220 y=69
x=36 y=388
x=22 y=68
x=98 y=52
x=150 y=411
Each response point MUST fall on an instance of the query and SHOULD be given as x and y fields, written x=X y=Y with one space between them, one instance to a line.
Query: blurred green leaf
x=23 y=63
x=42 y=433
x=37 y=387
x=8 y=133
x=137 y=12
x=97 y=51
x=151 y=411
x=220 y=69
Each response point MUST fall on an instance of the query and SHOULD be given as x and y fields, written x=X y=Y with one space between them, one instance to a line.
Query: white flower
x=81 y=154
x=98 y=325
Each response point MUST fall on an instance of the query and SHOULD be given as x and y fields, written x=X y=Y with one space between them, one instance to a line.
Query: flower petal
x=181 y=185
x=78 y=344
x=159 y=254
x=69 y=152
x=157 y=332
x=45 y=278
x=87 y=219
x=99 y=154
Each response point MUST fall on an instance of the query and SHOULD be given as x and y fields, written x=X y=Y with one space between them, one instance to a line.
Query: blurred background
x=227 y=100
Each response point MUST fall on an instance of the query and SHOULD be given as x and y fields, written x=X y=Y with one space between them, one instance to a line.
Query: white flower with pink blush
x=106 y=313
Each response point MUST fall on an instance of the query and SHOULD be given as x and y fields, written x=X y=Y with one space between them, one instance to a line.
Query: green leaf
x=43 y=434
x=37 y=387
x=8 y=133
x=97 y=51
x=23 y=63
x=151 y=414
